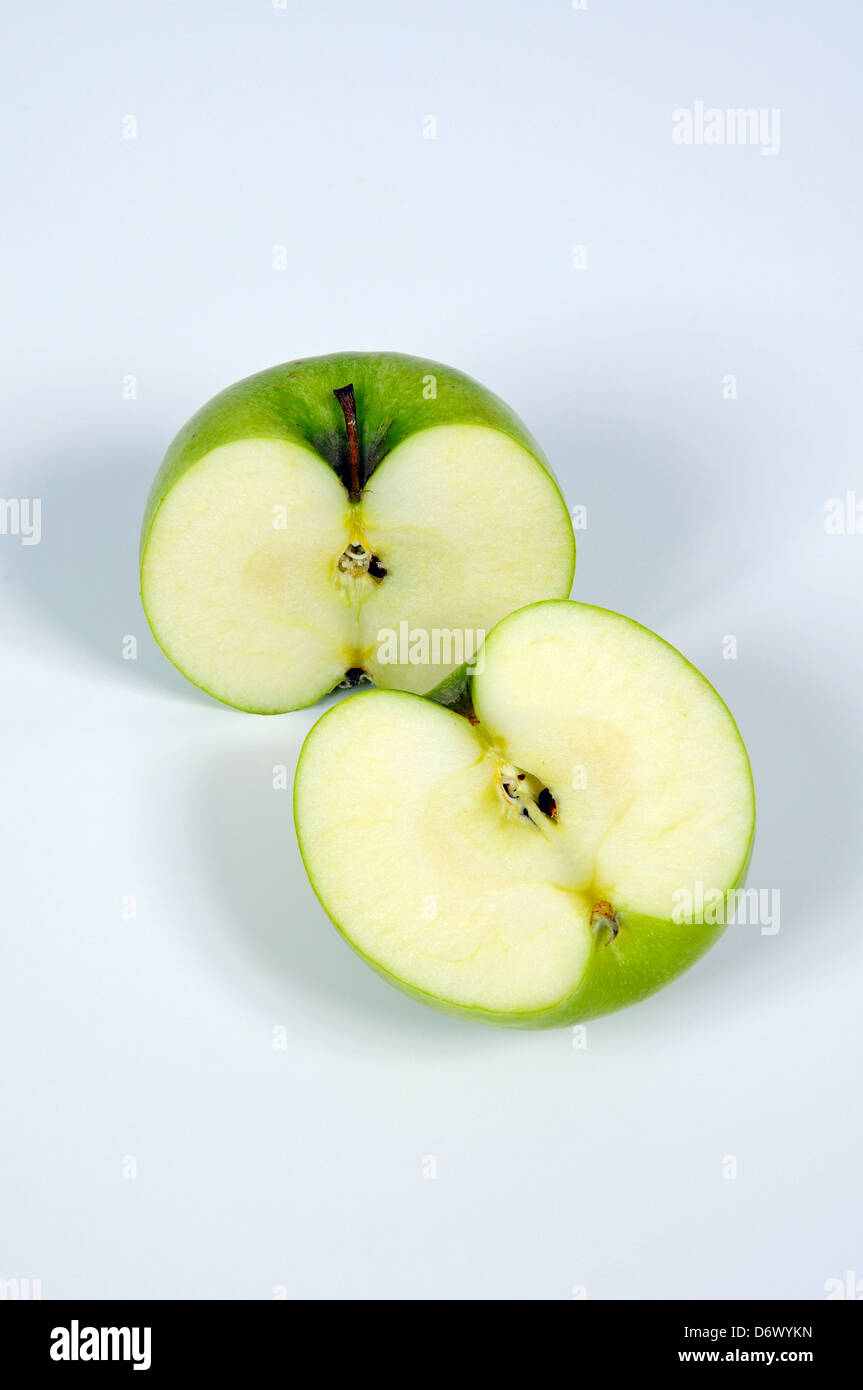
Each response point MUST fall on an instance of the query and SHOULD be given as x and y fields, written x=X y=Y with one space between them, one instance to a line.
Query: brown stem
x=345 y=397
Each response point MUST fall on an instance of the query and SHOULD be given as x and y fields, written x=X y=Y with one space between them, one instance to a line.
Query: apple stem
x=604 y=921
x=345 y=397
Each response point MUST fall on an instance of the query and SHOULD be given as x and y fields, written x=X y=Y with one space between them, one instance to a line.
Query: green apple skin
x=295 y=402
x=646 y=955
x=649 y=955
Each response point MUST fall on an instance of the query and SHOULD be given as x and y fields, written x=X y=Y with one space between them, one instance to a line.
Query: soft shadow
x=810 y=822
x=804 y=748
x=81 y=581
x=270 y=921
x=656 y=523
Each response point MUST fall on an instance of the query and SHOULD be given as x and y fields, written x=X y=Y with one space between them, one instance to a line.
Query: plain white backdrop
x=204 y=1093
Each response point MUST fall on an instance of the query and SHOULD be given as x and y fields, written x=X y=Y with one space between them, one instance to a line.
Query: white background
x=152 y=1038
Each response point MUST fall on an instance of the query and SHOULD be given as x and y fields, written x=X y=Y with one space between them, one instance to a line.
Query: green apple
x=526 y=861
x=358 y=515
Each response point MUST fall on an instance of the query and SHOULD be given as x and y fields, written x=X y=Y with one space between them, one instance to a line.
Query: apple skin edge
x=597 y=995
x=646 y=955
x=454 y=692
x=295 y=402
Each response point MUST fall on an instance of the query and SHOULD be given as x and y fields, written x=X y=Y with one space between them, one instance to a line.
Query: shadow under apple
x=272 y=932
x=799 y=732
x=809 y=829
x=81 y=581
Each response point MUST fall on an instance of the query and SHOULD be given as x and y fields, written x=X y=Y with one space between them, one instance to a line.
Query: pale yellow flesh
x=416 y=854
x=240 y=575
x=649 y=771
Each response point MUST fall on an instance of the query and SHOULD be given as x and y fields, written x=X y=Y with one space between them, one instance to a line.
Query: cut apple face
x=276 y=568
x=525 y=865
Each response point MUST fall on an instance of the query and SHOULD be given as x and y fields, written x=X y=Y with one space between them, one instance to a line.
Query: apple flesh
x=307 y=514
x=520 y=865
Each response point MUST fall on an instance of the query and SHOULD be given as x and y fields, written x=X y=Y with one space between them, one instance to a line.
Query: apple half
x=358 y=515
x=518 y=857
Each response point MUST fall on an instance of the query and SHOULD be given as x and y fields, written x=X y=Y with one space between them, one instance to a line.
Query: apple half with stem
x=519 y=853
x=362 y=515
